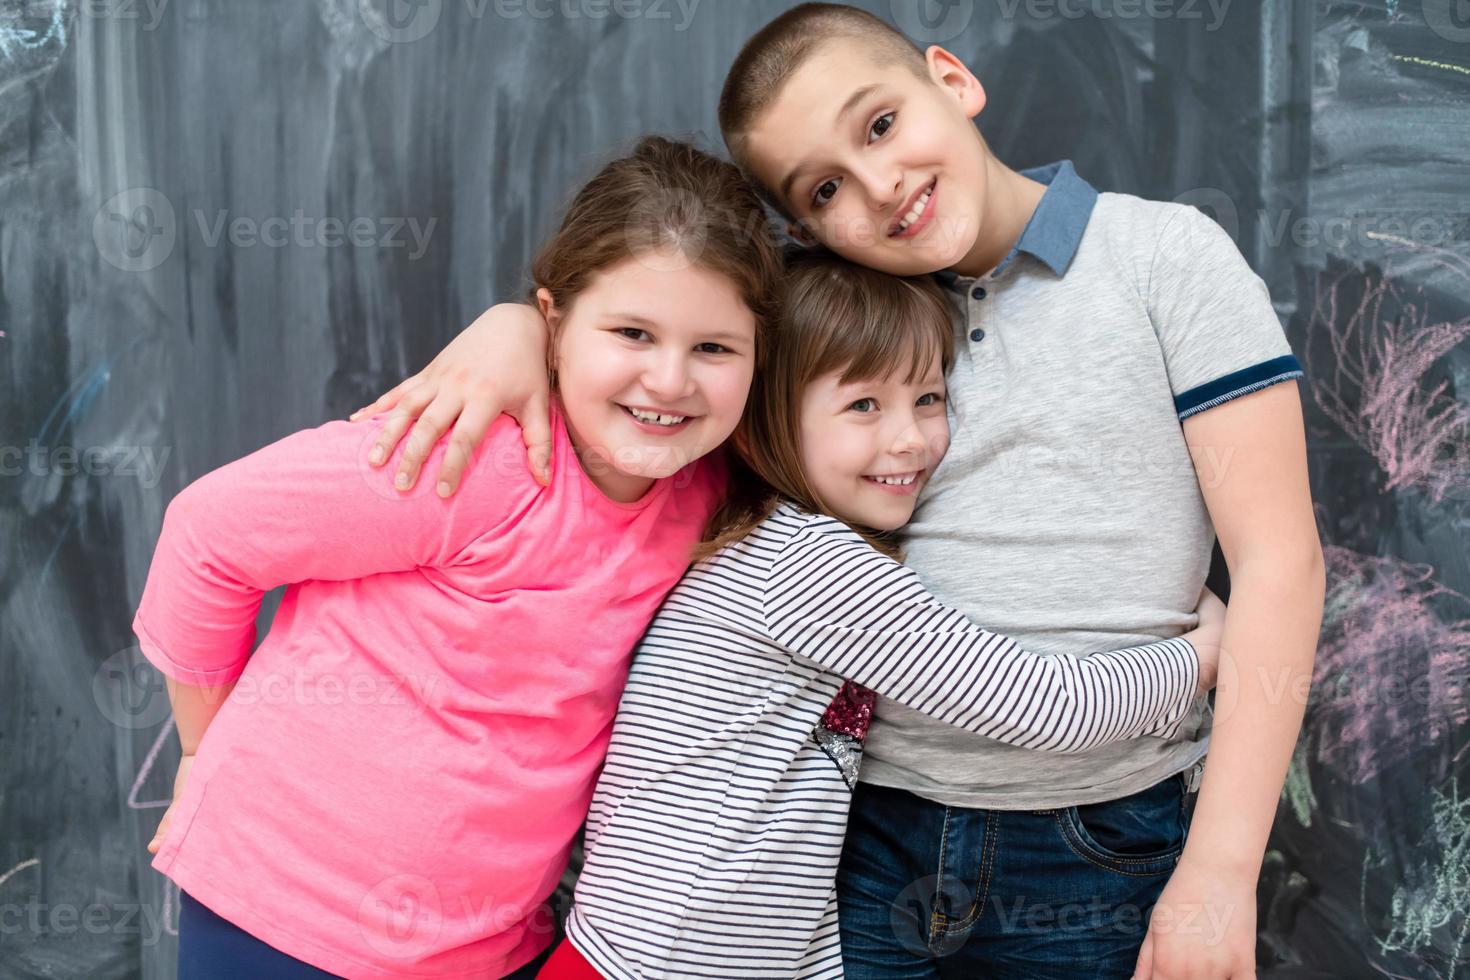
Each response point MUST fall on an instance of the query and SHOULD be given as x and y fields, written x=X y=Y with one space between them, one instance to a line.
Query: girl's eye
x=870 y=404
x=931 y=398
x=718 y=348
x=632 y=333
x=881 y=125
x=823 y=194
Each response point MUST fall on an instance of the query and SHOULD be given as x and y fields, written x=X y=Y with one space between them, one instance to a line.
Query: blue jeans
x=930 y=891
x=213 y=948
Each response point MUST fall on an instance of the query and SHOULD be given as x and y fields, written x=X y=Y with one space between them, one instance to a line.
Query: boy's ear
x=955 y=77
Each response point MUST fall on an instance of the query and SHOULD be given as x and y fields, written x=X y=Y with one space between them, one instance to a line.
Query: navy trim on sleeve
x=1235 y=384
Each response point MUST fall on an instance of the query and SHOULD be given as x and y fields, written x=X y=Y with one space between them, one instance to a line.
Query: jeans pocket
x=1142 y=834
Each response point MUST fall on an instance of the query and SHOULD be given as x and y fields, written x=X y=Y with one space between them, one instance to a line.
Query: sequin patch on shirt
x=843 y=727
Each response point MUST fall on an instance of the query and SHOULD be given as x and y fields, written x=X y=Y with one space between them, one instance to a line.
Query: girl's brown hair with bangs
x=835 y=316
x=670 y=198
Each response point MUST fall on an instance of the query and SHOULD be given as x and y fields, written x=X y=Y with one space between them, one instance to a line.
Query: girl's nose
x=669 y=377
x=909 y=438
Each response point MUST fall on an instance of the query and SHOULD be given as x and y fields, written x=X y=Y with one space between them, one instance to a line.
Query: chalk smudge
x=1383 y=348
x=15 y=34
x=1392 y=676
x=19 y=867
x=1297 y=790
x=149 y=761
x=1429 y=913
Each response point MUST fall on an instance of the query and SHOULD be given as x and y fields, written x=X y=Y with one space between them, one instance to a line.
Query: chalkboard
x=221 y=222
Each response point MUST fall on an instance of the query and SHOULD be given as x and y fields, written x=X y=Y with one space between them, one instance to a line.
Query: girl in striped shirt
x=714 y=834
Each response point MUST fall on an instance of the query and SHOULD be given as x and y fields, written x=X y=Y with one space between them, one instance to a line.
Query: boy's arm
x=1229 y=366
x=1250 y=456
x=496 y=365
x=834 y=600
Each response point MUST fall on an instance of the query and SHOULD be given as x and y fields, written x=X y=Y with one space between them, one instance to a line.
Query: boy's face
x=869 y=447
x=881 y=166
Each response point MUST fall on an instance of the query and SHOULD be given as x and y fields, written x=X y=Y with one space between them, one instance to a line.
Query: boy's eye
x=864 y=405
x=930 y=398
x=881 y=125
x=824 y=193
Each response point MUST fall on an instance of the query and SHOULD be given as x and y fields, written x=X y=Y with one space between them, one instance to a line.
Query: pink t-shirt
x=394 y=785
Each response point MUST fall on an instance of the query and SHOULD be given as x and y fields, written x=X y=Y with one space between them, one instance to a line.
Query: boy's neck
x=1010 y=201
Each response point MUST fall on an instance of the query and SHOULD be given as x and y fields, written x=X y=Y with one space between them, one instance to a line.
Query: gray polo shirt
x=1068 y=512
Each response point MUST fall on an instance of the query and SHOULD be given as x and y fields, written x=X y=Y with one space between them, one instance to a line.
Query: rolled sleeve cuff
x=181 y=672
x=1235 y=384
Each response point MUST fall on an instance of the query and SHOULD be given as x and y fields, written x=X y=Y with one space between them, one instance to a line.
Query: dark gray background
x=140 y=349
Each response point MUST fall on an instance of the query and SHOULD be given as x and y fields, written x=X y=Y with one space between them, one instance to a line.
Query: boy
x=1116 y=394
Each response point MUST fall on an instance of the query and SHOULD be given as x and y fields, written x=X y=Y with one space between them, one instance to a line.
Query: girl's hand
x=1206 y=637
x=496 y=365
x=180 y=778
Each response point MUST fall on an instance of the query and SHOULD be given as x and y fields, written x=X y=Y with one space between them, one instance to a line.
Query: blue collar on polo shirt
x=1056 y=226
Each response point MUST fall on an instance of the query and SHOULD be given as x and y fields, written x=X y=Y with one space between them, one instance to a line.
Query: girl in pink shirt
x=389 y=786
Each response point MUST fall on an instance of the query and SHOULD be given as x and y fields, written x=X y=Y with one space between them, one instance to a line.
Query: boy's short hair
x=768 y=60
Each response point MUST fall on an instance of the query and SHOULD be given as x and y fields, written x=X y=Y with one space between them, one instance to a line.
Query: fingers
x=411 y=403
x=433 y=423
x=535 y=420
x=158 y=834
x=385 y=401
x=468 y=433
x=1144 y=970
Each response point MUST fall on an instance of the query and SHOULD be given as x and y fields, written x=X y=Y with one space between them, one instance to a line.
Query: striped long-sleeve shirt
x=715 y=830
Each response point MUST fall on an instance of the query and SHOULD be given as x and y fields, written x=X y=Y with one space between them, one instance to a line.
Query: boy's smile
x=918 y=216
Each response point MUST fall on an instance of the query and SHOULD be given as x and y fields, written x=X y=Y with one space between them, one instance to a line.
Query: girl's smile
x=653 y=362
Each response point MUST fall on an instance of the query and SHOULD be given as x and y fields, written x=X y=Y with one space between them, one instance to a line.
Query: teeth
x=656 y=419
x=916 y=211
x=895 y=481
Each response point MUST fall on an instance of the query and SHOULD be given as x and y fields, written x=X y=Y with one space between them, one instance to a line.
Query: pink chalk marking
x=148 y=762
x=1391 y=674
x=1374 y=390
